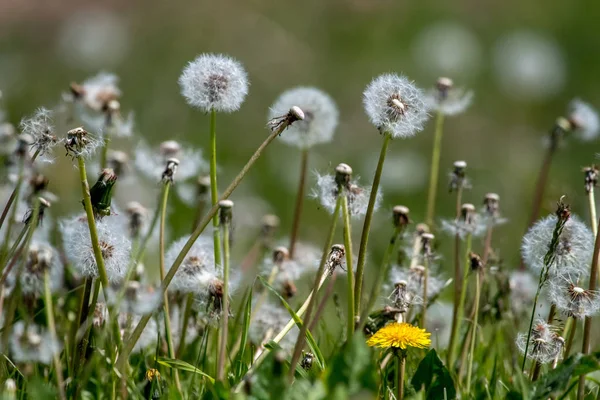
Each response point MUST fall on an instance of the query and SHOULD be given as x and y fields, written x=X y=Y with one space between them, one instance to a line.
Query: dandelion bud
x=270 y=223
x=591 y=178
x=307 y=361
x=400 y=216
x=38 y=183
x=101 y=192
x=117 y=160
x=343 y=173
x=137 y=215
x=475 y=262
x=168 y=174
x=336 y=257
x=225 y=211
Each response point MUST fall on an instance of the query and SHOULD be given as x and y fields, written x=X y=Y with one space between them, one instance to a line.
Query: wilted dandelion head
x=584 y=120
x=320 y=116
x=114 y=244
x=30 y=343
x=468 y=223
x=41 y=129
x=447 y=99
x=214 y=82
x=571 y=298
x=198 y=268
x=395 y=105
x=151 y=162
x=574 y=251
x=414 y=280
x=545 y=345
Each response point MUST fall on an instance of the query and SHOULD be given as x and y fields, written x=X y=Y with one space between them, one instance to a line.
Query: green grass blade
x=183 y=366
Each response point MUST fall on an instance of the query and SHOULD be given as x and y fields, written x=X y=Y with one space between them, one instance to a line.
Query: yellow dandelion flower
x=400 y=335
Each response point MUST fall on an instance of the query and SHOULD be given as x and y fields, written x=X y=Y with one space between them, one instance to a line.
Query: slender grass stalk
x=52 y=329
x=364 y=239
x=214 y=191
x=84 y=305
x=323 y=302
x=222 y=354
x=460 y=308
x=587 y=327
x=592 y=205
x=299 y=201
x=435 y=167
x=457 y=275
x=13 y=212
x=133 y=338
x=349 y=267
x=569 y=333
x=319 y=277
x=12 y=251
x=425 y=284
x=401 y=363
x=187 y=313
x=474 y=330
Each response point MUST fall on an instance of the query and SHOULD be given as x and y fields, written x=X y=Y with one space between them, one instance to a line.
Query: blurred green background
x=525 y=60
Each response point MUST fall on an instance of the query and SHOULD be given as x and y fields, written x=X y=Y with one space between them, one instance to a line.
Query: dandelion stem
x=222 y=355
x=460 y=309
x=474 y=330
x=83 y=314
x=569 y=333
x=435 y=167
x=587 y=327
x=457 y=287
x=13 y=212
x=319 y=279
x=214 y=191
x=425 y=283
x=349 y=267
x=401 y=362
x=89 y=211
x=187 y=313
x=133 y=338
x=52 y=329
x=540 y=186
x=362 y=251
x=16 y=191
x=299 y=202
x=161 y=249
x=592 y=203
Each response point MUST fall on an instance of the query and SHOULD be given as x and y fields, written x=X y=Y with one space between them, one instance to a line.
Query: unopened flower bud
x=101 y=192
x=400 y=216
x=225 y=211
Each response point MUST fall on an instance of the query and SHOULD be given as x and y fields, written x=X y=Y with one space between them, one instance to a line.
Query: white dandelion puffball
x=197 y=270
x=320 y=116
x=574 y=250
x=395 y=105
x=214 y=82
x=585 y=120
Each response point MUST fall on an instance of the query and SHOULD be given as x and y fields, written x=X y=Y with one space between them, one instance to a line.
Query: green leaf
x=433 y=375
x=245 y=327
x=351 y=368
x=309 y=337
x=183 y=366
x=555 y=381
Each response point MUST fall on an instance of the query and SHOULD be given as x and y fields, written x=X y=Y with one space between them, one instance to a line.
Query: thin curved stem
x=214 y=191
x=13 y=212
x=349 y=267
x=299 y=202
x=222 y=354
x=364 y=239
x=435 y=167
x=425 y=294
x=401 y=372
x=104 y=152
x=461 y=303
x=12 y=252
x=133 y=338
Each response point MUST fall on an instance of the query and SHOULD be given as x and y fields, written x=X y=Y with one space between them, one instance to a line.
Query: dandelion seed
x=570 y=298
x=395 y=105
x=29 y=343
x=574 y=250
x=197 y=270
x=447 y=99
x=584 y=120
x=41 y=130
x=545 y=345
x=320 y=116
x=214 y=82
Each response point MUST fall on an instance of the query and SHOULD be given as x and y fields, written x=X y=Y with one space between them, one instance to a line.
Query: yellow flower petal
x=400 y=335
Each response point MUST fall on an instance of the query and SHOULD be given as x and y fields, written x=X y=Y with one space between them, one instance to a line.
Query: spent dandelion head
x=97 y=91
x=395 y=105
x=151 y=162
x=458 y=176
x=400 y=216
x=214 y=82
x=468 y=223
x=567 y=293
x=447 y=99
x=591 y=178
x=320 y=116
x=400 y=336
x=41 y=258
x=41 y=129
x=198 y=268
x=81 y=143
x=545 y=345
x=584 y=120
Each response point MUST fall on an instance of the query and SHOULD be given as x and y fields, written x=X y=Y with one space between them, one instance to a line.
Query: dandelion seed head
x=522 y=290
x=30 y=343
x=151 y=163
x=81 y=143
x=270 y=319
x=395 y=105
x=415 y=280
x=545 y=345
x=197 y=270
x=41 y=258
x=214 y=82
x=127 y=322
x=584 y=119
x=319 y=116
x=40 y=127
x=327 y=191
x=574 y=250
x=447 y=99
x=97 y=91
x=571 y=299
x=138 y=299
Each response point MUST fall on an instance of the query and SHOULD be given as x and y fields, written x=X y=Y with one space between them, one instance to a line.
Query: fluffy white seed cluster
x=415 y=281
x=574 y=250
x=98 y=90
x=585 y=120
x=137 y=299
x=569 y=296
x=41 y=258
x=151 y=162
x=455 y=102
x=40 y=127
x=522 y=290
x=320 y=116
x=269 y=321
x=197 y=272
x=149 y=336
x=30 y=343
x=545 y=345
x=327 y=192
x=395 y=105
x=214 y=82
x=114 y=245
x=476 y=226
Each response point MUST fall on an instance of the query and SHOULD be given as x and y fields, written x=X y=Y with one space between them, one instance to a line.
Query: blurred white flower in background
x=529 y=66
x=447 y=49
x=93 y=39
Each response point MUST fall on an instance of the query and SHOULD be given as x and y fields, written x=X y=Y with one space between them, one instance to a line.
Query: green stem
x=461 y=304
x=161 y=249
x=12 y=252
x=435 y=167
x=214 y=191
x=316 y=285
x=52 y=329
x=82 y=317
x=133 y=338
x=362 y=251
x=222 y=355
x=571 y=335
x=401 y=371
x=425 y=294
x=89 y=211
x=474 y=332
x=187 y=313
x=457 y=275
x=349 y=267
x=299 y=202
